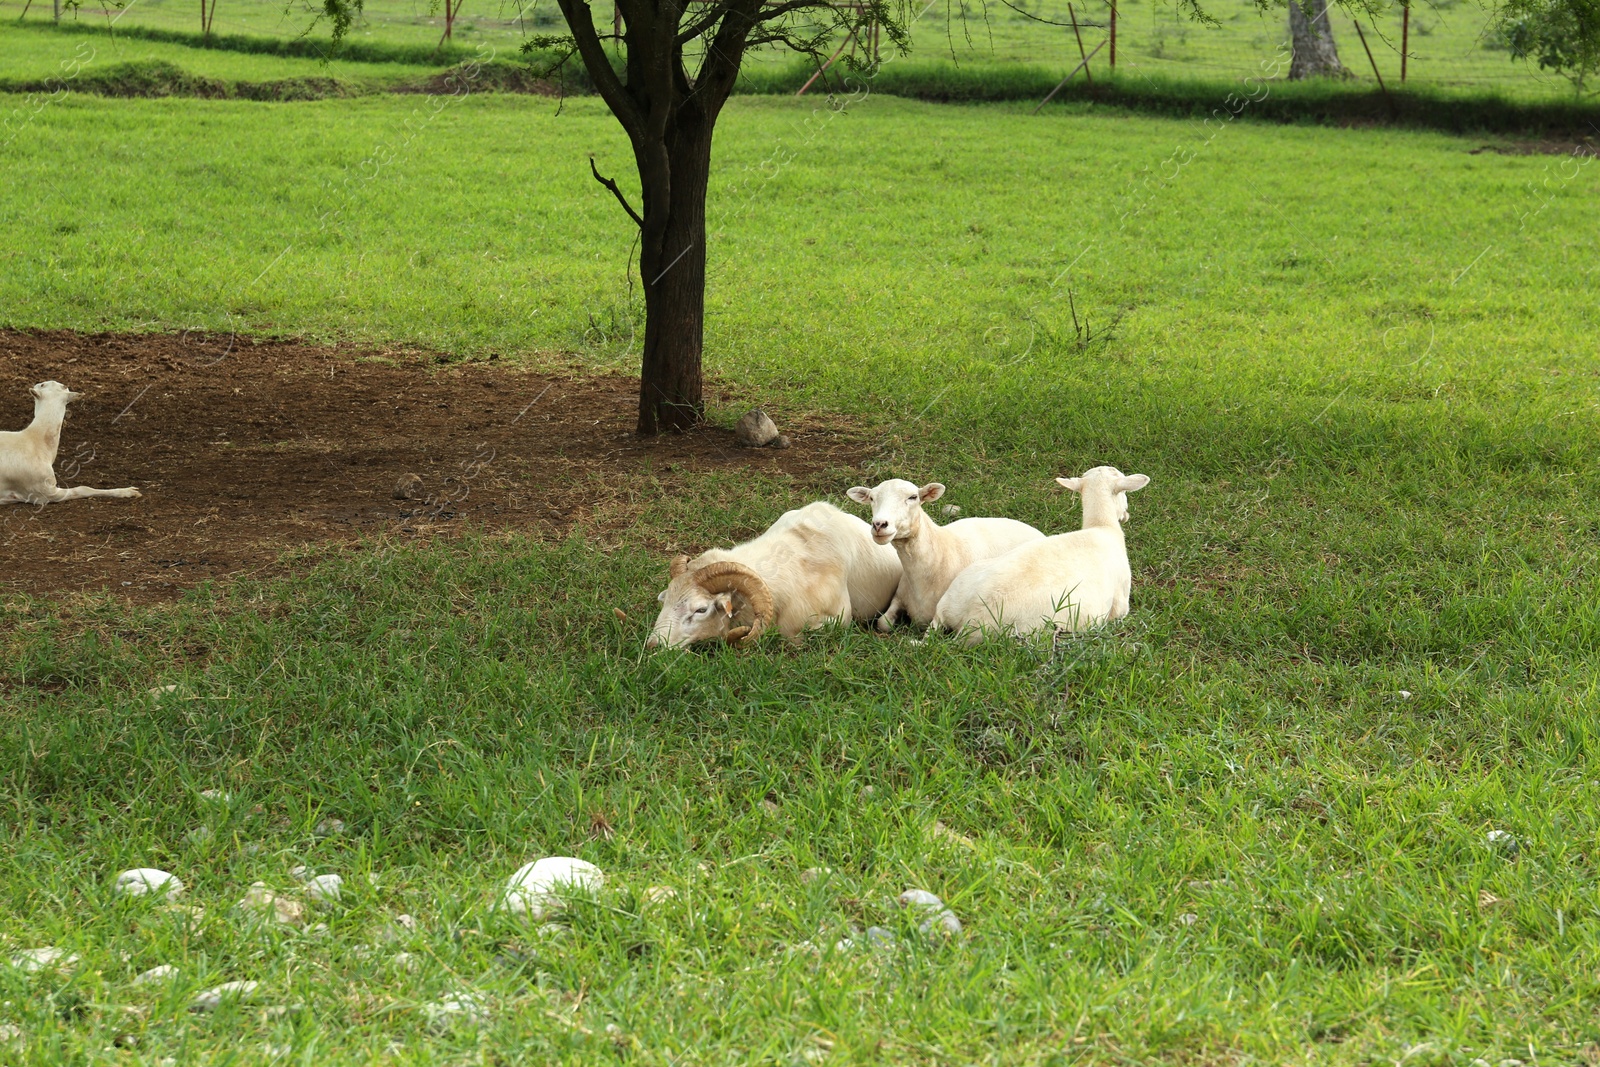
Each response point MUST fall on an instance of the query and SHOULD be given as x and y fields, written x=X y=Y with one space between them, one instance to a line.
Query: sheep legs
x=58 y=495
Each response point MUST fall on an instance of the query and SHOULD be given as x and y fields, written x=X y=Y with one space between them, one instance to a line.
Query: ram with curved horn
x=813 y=566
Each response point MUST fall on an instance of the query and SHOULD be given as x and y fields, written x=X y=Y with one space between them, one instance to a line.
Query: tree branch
x=612 y=185
x=580 y=20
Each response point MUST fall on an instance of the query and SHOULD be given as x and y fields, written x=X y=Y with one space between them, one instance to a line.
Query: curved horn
x=728 y=576
x=678 y=566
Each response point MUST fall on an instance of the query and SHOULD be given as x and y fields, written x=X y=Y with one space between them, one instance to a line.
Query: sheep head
x=723 y=600
x=896 y=506
x=1102 y=488
x=46 y=391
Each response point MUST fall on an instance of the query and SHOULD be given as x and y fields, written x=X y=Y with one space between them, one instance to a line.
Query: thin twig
x=609 y=184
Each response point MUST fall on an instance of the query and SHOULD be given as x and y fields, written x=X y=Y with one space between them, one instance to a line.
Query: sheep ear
x=860 y=494
x=1133 y=483
x=661 y=597
x=931 y=492
x=1075 y=484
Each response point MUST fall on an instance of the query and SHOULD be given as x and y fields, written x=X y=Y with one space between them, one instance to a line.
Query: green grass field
x=1452 y=45
x=1359 y=366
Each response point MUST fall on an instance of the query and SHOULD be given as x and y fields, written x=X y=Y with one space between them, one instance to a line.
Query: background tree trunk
x=1314 y=51
x=673 y=269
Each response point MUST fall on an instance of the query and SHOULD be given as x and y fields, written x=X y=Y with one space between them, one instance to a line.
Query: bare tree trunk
x=1312 y=34
x=673 y=269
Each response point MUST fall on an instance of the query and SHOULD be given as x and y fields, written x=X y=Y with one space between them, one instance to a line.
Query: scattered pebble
x=302 y=873
x=126 y=1040
x=279 y=1011
x=950 y=509
x=316 y=929
x=33 y=960
x=1188 y=918
x=939 y=916
x=200 y=835
x=162 y=690
x=457 y=1008
x=142 y=880
x=944 y=833
x=770 y=807
x=868 y=790
x=755 y=429
x=657 y=893
x=164 y=973
x=405 y=922
x=329 y=827
x=211 y=999
x=276 y=1052
x=216 y=796
x=324 y=887
x=551 y=930
x=251 y=849
x=405 y=961
x=878 y=937
x=533 y=889
x=372 y=880
x=189 y=913
x=1503 y=841
x=1404 y=694
x=409 y=487
x=10 y=1032
x=814 y=874
x=261 y=899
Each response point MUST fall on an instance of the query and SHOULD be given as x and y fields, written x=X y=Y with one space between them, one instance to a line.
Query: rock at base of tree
x=755 y=430
x=409 y=487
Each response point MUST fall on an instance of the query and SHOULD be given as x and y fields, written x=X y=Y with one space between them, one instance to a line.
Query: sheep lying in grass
x=931 y=555
x=28 y=456
x=813 y=566
x=1072 y=581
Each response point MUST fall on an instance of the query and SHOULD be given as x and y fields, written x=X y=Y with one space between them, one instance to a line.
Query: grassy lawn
x=1451 y=43
x=1249 y=823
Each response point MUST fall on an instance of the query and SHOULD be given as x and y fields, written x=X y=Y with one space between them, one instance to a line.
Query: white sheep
x=28 y=456
x=1071 y=581
x=931 y=555
x=814 y=565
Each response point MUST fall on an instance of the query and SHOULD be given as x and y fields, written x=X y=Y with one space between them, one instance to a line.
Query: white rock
x=406 y=961
x=216 y=796
x=163 y=690
x=551 y=930
x=142 y=880
x=302 y=873
x=260 y=899
x=457 y=1009
x=657 y=893
x=405 y=922
x=878 y=937
x=33 y=960
x=211 y=999
x=1503 y=841
x=950 y=509
x=1188 y=918
x=9 y=1032
x=1404 y=694
x=814 y=874
x=316 y=929
x=324 y=887
x=938 y=916
x=164 y=973
x=534 y=889
x=329 y=827
x=372 y=880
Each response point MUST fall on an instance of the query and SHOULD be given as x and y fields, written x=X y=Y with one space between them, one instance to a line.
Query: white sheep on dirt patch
x=813 y=566
x=931 y=555
x=28 y=456
x=1072 y=581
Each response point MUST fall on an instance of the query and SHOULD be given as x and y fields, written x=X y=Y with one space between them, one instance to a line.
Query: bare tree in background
x=1315 y=54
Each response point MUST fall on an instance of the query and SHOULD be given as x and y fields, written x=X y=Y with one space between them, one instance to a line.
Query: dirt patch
x=243 y=449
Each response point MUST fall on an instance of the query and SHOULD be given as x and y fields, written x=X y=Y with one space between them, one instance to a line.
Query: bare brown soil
x=244 y=449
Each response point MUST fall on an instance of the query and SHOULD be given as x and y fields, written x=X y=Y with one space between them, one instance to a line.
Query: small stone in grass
x=302 y=873
x=163 y=690
x=216 y=796
x=262 y=900
x=551 y=930
x=324 y=887
x=1503 y=841
x=878 y=937
x=316 y=929
x=657 y=893
x=200 y=835
x=405 y=922
x=164 y=973
x=329 y=827
x=770 y=807
x=126 y=1040
x=211 y=999
x=950 y=509
x=1404 y=694
x=33 y=960
x=944 y=833
x=535 y=889
x=814 y=874
x=9 y=1032
x=188 y=913
x=938 y=916
x=463 y=1008
x=1188 y=918
x=755 y=429
x=143 y=880
x=405 y=961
